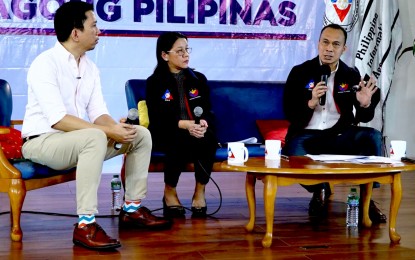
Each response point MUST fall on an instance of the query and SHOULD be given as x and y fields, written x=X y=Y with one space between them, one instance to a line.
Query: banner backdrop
x=379 y=43
x=258 y=40
x=374 y=40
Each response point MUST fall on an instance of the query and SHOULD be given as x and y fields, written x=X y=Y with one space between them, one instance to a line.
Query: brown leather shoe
x=92 y=236
x=142 y=218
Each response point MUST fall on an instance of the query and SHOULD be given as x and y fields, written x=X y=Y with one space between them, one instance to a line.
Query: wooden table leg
x=365 y=200
x=250 y=196
x=396 y=196
x=270 y=190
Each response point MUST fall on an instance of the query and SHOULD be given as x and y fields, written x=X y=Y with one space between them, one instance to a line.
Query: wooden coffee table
x=303 y=170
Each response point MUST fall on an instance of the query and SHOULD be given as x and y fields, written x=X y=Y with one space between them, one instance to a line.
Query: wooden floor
x=296 y=236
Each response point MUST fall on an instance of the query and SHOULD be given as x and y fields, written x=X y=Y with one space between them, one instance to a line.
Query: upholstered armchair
x=17 y=175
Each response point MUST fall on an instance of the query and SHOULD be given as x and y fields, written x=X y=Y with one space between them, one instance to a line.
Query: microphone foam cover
x=132 y=114
x=198 y=111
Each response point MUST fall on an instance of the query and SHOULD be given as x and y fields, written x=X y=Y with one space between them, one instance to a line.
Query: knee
x=375 y=136
x=94 y=138
x=143 y=137
x=373 y=141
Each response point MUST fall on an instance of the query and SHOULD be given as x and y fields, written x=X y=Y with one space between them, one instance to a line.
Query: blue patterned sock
x=85 y=220
x=131 y=206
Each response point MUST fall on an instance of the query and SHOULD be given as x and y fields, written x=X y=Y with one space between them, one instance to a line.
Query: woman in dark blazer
x=181 y=123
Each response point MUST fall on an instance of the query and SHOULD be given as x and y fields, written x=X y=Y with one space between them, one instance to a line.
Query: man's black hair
x=69 y=16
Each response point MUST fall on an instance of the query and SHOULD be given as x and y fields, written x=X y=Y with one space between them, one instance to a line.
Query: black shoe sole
x=132 y=225
x=109 y=247
x=377 y=219
x=375 y=215
x=199 y=212
x=317 y=208
x=173 y=211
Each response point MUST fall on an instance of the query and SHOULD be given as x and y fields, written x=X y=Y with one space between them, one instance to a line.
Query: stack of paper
x=351 y=158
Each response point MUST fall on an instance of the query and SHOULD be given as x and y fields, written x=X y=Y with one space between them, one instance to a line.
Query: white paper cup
x=397 y=149
x=272 y=163
x=237 y=153
x=272 y=149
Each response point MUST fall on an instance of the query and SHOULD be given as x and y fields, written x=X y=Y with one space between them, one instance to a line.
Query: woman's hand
x=196 y=130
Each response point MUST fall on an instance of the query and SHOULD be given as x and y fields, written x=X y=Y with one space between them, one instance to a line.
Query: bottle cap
x=115 y=175
x=352 y=189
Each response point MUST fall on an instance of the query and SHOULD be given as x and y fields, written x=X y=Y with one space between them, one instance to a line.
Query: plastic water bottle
x=116 y=193
x=352 y=216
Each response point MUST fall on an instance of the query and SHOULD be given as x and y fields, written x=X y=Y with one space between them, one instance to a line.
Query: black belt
x=27 y=138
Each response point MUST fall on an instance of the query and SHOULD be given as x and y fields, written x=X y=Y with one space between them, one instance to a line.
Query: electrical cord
x=57 y=214
x=217 y=186
x=116 y=215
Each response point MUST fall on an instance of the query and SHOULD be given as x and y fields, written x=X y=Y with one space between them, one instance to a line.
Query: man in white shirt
x=64 y=88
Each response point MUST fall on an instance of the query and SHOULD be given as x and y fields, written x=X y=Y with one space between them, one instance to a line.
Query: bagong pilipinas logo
x=342 y=12
x=193 y=93
x=167 y=96
x=343 y=87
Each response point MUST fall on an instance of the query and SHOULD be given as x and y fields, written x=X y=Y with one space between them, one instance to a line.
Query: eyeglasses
x=336 y=45
x=180 y=52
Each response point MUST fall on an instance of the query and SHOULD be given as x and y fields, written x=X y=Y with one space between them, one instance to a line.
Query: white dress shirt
x=326 y=116
x=57 y=86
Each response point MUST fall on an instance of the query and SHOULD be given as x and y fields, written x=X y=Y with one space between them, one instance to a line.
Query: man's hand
x=123 y=133
x=367 y=89
x=318 y=91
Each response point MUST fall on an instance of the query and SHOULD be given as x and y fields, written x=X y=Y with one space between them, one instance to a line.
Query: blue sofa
x=237 y=105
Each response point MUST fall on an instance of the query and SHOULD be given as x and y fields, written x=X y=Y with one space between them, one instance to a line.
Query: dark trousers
x=183 y=149
x=353 y=140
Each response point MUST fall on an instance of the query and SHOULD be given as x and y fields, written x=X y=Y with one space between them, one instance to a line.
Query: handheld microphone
x=357 y=88
x=198 y=111
x=132 y=120
x=325 y=73
x=132 y=116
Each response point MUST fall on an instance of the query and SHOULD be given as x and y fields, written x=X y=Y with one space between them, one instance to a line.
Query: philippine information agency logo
x=342 y=8
x=342 y=12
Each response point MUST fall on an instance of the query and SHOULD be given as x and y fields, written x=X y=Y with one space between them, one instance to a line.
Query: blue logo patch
x=310 y=85
x=167 y=96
